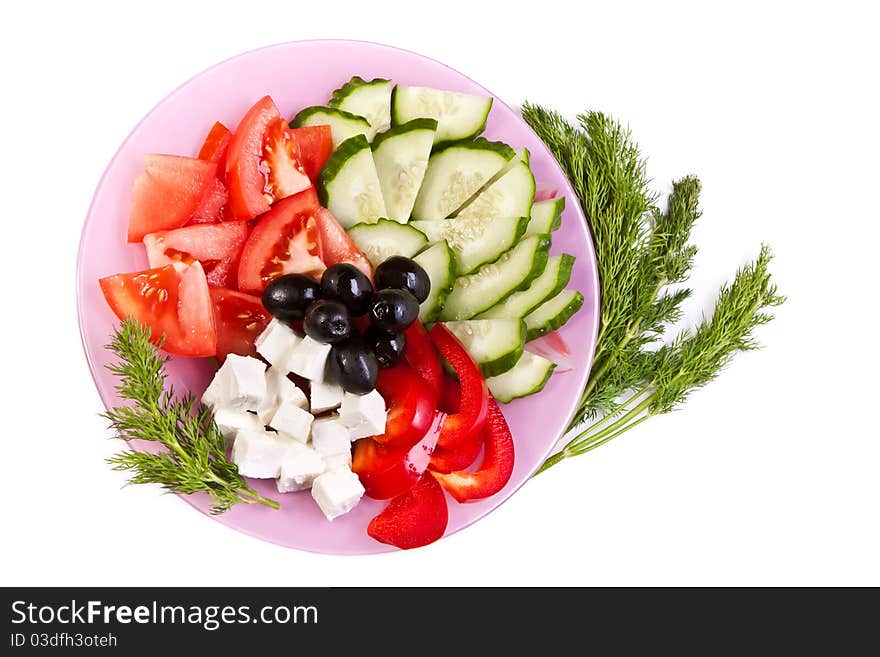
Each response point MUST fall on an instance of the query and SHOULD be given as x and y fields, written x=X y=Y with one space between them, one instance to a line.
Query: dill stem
x=250 y=496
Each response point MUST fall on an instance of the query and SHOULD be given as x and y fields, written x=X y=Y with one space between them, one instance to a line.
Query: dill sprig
x=641 y=252
x=195 y=457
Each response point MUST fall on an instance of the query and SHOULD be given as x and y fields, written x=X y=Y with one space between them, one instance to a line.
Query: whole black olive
x=402 y=273
x=353 y=366
x=348 y=285
x=288 y=296
x=393 y=310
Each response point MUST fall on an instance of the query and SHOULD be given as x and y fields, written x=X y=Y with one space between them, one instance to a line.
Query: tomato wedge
x=172 y=301
x=216 y=143
x=284 y=241
x=213 y=206
x=337 y=246
x=167 y=193
x=473 y=403
x=314 y=144
x=416 y=518
x=285 y=175
x=239 y=319
x=411 y=405
x=495 y=470
x=216 y=246
x=422 y=356
x=244 y=179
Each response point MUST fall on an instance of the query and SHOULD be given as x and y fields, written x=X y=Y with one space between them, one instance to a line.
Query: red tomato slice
x=416 y=518
x=216 y=143
x=422 y=356
x=244 y=179
x=239 y=319
x=315 y=145
x=172 y=301
x=216 y=246
x=167 y=193
x=337 y=246
x=411 y=405
x=213 y=207
x=285 y=175
x=284 y=241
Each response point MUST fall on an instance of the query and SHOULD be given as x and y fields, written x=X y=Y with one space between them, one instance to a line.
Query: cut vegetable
x=519 y=304
x=348 y=185
x=495 y=344
x=475 y=240
x=342 y=124
x=438 y=261
x=385 y=238
x=510 y=196
x=528 y=376
x=460 y=116
x=546 y=216
x=552 y=314
x=401 y=157
x=491 y=283
x=371 y=100
x=455 y=173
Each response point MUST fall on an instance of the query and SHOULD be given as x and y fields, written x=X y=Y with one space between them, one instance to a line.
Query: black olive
x=287 y=297
x=352 y=365
x=327 y=321
x=402 y=273
x=388 y=347
x=349 y=285
x=393 y=310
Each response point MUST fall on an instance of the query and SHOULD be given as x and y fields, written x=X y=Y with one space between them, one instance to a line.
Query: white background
x=771 y=475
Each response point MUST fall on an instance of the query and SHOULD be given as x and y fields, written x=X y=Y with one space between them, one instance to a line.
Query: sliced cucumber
x=401 y=156
x=385 y=238
x=546 y=216
x=342 y=124
x=455 y=172
x=519 y=304
x=552 y=314
x=460 y=116
x=348 y=185
x=371 y=100
x=491 y=283
x=474 y=240
x=528 y=376
x=437 y=260
x=510 y=196
x=495 y=344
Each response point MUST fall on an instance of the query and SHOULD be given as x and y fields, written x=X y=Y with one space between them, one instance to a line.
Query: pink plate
x=288 y=72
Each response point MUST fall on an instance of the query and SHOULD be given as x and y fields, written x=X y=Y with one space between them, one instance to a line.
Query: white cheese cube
x=239 y=383
x=279 y=390
x=308 y=359
x=337 y=492
x=364 y=415
x=335 y=461
x=259 y=454
x=300 y=467
x=291 y=421
x=330 y=436
x=276 y=342
x=325 y=396
x=232 y=420
x=217 y=391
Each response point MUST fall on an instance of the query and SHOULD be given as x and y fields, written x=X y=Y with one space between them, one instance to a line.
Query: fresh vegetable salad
x=373 y=279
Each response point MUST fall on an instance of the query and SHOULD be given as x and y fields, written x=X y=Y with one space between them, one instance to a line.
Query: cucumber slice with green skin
x=552 y=314
x=459 y=116
x=437 y=260
x=385 y=238
x=546 y=216
x=528 y=376
x=519 y=304
x=495 y=344
x=343 y=125
x=401 y=156
x=475 y=240
x=455 y=172
x=371 y=100
x=491 y=283
x=348 y=185
x=509 y=196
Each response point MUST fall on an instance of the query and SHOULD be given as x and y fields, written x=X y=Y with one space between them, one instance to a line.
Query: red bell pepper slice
x=495 y=470
x=471 y=416
x=422 y=356
x=416 y=518
x=463 y=456
x=411 y=403
x=450 y=395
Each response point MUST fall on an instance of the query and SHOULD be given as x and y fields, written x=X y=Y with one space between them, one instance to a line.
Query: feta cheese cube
x=330 y=436
x=232 y=420
x=276 y=342
x=259 y=454
x=217 y=391
x=291 y=421
x=300 y=467
x=308 y=359
x=335 y=461
x=325 y=396
x=337 y=492
x=279 y=390
x=364 y=415
x=239 y=383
